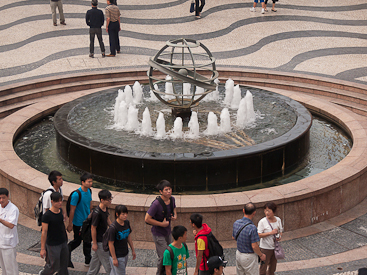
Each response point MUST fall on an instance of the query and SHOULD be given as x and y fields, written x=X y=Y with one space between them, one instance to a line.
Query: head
x=249 y=209
x=216 y=265
x=269 y=209
x=87 y=180
x=105 y=197
x=165 y=189
x=121 y=212
x=196 y=220
x=55 y=178
x=4 y=197
x=179 y=233
x=56 y=199
x=94 y=3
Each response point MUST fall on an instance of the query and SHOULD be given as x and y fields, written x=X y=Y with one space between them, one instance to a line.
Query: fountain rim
x=299 y=129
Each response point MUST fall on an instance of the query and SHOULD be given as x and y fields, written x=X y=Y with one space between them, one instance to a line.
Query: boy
x=180 y=253
x=78 y=213
x=100 y=222
x=201 y=244
x=216 y=265
x=54 y=239
x=9 y=214
x=55 y=179
x=161 y=228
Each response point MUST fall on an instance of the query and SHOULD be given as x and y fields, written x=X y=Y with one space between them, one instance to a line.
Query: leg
x=103 y=256
x=272 y=263
x=100 y=40
x=92 y=34
x=112 y=36
x=53 y=11
x=61 y=11
x=201 y=6
x=160 y=245
x=197 y=8
x=87 y=250
x=74 y=243
x=118 y=40
x=52 y=260
x=8 y=256
x=239 y=269
x=95 y=264
x=121 y=268
x=64 y=259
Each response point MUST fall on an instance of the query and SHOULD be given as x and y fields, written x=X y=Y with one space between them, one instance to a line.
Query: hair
x=196 y=219
x=163 y=184
x=4 y=191
x=120 y=209
x=56 y=196
x=52 y=177
x=249 y=208
x=95 y=3
x=271 y=205
x=86 y=176
x=178 y=231
x=104 y=195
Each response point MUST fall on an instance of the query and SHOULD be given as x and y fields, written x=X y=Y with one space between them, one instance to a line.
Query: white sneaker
x=262 y=11
x=252 y=9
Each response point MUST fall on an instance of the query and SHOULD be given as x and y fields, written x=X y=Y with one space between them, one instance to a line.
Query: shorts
x=257 y=1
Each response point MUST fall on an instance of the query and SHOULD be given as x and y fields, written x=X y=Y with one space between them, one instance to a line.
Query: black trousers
x=113 y=33
x=198 y=8
x=92 y=33
x=87 y=247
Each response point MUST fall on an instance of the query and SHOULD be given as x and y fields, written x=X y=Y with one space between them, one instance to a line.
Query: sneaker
x=262 y=11
x=91 y=55
x=253 y=9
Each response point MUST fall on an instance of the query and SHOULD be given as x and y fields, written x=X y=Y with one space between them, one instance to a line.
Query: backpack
x=164 y=206
x=38 y=209
x=163 y=269
x=86 y=230
x=215 y=249
x=69 y=200
x=105 y=238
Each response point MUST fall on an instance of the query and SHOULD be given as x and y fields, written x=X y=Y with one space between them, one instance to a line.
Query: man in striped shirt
x=113 y=27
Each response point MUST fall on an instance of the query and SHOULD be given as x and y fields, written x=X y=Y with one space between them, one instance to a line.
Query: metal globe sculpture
x=182 y=61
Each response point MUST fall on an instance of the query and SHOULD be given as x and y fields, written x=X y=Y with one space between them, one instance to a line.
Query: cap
x=216 y=262
x=95 y=2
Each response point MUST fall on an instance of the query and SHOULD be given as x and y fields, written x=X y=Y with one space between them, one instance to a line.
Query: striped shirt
x=113 y=13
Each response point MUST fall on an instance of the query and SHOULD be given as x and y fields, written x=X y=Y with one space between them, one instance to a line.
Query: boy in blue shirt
x=78 y=213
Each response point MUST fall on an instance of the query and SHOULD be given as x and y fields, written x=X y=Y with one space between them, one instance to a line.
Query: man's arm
x=107 y=23
x=7 y=224
x=149 y=219
x=257 y=250
x=43 y=240
x=71 y=217
x=93 y=230
x=174 y=217
x=199 y=257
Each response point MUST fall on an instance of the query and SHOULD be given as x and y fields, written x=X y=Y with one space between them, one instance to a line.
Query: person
x=119 y=235
x=270 y=229
x=78 y=213
x=161 y=225
x=54 y=239
x=100 y=222
x=57 y=4
x=262 y=6
x=9 y=215
x=201 y=244
x=199 y=8
x=248 y=250
x=273 y=8
x=55 y=178
x=95 y=20
x=216 y=265
x=113 y=26
x=180 y=253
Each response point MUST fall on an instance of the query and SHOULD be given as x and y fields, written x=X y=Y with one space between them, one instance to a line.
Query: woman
x=270 y=229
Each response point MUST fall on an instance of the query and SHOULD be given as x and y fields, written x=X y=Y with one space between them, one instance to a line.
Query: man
x=161 y=220
x=216 y=265
x=178 y=263
x=95 y=20
x=248 y=250
x=58 y=4
x=113 y=27
x=55 y=178
x=100 y=222
x=54 y=239
x=9 y=214
x=201 y=244
x=78 y=213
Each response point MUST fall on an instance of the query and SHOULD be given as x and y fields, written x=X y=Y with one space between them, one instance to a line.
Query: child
x=216 y=265
x=180 y=253
x=119 y=235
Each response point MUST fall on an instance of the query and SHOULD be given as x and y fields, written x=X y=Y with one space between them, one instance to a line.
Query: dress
x=57 y=4
x=267 y=245
x=201 y=243
x=113 y=16
x=179 y=264
x=9 y=240
x=95 y=20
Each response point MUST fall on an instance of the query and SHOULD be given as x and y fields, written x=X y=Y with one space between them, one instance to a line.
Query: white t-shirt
x=47 y=198
x=264 y=227
x=9 y=237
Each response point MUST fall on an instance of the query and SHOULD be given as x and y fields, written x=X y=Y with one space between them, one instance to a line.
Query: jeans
x=161 y=243
x=121 y=268
x=92 y=33
x=87 y=247
x=113 y=34
x=57 y=4
x=99 y=257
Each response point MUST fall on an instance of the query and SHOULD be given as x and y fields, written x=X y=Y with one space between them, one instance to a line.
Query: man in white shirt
x=55 y=178
x=9 y=214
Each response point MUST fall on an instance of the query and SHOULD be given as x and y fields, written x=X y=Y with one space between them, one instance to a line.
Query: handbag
x=278 y=249
x=192 y=6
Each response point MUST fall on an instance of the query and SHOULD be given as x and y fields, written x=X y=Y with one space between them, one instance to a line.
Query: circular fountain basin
x=189 y=169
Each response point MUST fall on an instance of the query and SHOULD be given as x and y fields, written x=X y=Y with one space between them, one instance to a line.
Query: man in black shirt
x=100 y=222
x=54 y=239
x=95 y=20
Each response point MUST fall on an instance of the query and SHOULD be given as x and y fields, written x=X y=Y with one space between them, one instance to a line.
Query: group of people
x=263 y=6
x=110 y=240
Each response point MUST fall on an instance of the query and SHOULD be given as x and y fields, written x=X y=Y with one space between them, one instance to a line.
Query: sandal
x=266 y=10
x=273 y=10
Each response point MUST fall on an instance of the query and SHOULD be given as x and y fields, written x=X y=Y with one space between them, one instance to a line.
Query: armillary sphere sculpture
x=185 y=61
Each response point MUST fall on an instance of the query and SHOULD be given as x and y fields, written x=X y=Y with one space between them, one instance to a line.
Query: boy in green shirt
x=178 y=265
